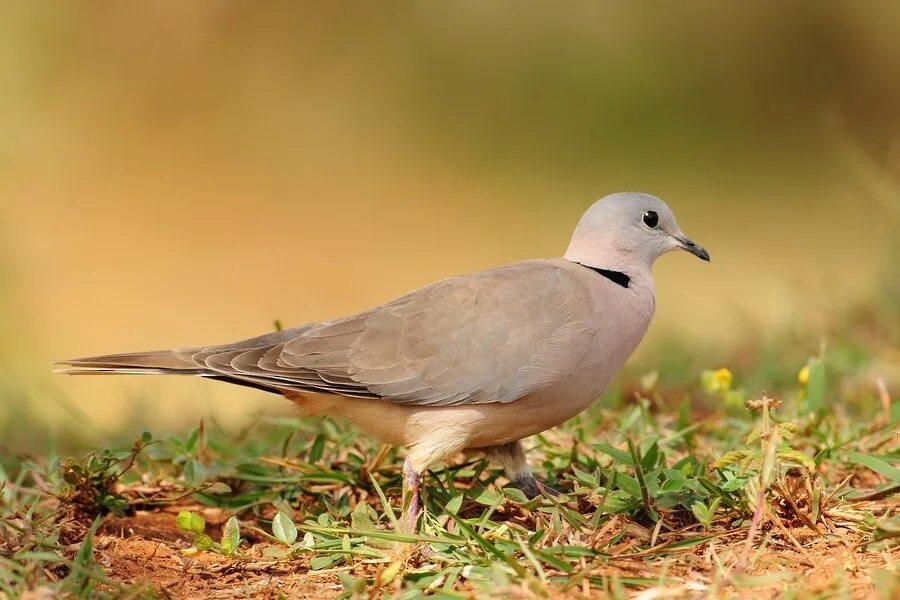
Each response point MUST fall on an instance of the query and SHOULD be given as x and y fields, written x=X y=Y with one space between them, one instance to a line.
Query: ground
x=693 y=488
x=144 y=549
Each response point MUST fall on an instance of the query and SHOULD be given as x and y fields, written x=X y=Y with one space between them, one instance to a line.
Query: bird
x=476 y=362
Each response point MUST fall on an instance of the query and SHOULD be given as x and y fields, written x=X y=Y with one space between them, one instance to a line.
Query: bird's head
x=628 y=231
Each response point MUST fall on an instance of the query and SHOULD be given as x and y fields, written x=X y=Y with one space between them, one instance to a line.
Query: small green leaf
x=218 y=488
x=509 y=559
x=231 y=536
x=704 y=513
x=672 y=485
x=701 y=512
x=194 y=473
x=788 y=430
x=323 y=562
x=629 y=485
x=285 y=530
x=203 y=542
x=877 y=465
x=585 y=478
x=795 y=456
x=80 y=575
x=732 y=485
x=650 y=457
x=622 y=456
x=716 y=491
x=486 y=497
x=620 y=502
x=515 y=495
x=729 y=458
x=361 y=517
x=317 y=449
x=454 y=504
x=85 y=555
x=192 y=441
x=190 y=522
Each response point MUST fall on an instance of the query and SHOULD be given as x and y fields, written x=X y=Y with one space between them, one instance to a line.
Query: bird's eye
x=651 y=219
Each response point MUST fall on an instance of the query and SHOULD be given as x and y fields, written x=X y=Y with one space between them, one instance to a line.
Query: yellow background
x=178 y=173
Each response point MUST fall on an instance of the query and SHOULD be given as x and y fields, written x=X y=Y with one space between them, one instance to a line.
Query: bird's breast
x=619 y=319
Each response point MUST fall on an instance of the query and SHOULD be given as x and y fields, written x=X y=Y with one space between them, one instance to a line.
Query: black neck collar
x=617 y=277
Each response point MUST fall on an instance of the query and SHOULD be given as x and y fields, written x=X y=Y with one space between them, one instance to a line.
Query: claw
x=531 y=487
x=549 y=489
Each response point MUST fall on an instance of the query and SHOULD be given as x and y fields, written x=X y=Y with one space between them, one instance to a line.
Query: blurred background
x=177 y=173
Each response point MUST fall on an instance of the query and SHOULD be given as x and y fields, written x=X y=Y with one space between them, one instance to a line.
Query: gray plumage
x=437 y=346
x=478 y=361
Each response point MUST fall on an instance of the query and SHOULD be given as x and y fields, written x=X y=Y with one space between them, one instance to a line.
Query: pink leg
x=412 y=480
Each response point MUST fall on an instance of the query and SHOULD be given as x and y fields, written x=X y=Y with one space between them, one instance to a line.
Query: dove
x=476 y=362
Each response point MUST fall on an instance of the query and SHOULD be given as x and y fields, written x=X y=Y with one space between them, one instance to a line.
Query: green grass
x=652 y=479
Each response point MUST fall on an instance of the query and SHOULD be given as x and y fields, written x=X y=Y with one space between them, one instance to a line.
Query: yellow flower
x=723 y=378
x=717 y=382
x=803 y=375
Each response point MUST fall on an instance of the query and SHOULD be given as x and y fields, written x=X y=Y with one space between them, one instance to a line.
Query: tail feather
x=163 y=362
x=187 y=361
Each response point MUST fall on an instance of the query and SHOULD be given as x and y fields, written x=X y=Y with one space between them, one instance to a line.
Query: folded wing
x=492 y=336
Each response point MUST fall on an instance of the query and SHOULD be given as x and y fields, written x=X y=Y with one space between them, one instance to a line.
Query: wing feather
x=493 y=336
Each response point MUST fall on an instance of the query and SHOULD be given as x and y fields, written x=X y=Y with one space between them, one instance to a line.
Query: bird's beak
x=693 y=248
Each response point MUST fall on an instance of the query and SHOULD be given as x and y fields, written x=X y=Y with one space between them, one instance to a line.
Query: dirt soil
x=144 y=549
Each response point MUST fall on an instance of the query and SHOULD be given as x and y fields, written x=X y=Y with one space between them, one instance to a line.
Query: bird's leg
x=511 y=457
x=440 y=444
x=411 y=479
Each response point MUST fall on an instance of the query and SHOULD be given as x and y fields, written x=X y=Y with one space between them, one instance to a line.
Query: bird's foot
x=531 y=487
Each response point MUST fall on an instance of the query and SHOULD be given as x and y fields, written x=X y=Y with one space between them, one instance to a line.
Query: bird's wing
x=492 y=336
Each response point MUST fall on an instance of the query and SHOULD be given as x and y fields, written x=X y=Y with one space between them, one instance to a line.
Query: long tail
x=161 y=362
x=175 y=362
x=188 y=361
